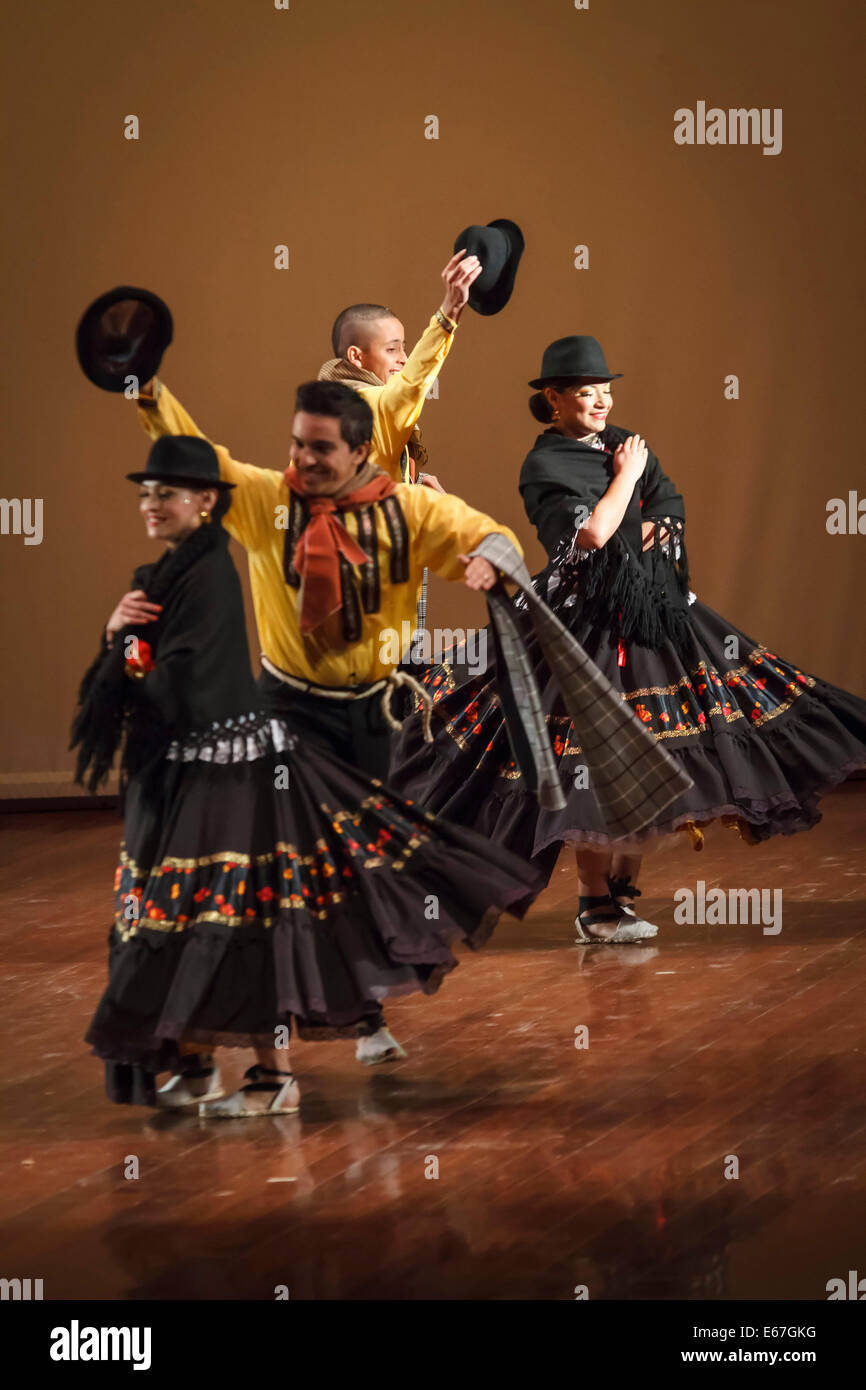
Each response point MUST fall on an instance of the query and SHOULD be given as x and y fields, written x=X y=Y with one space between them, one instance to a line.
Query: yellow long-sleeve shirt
x=397 y=404
x=440 y=526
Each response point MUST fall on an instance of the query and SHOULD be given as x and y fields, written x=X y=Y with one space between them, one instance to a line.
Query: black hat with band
x=182 y=460
x=578 y=356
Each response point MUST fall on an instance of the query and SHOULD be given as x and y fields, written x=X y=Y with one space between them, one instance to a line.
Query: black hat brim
x=145 y=362
x=549 y=380
x=200 y=484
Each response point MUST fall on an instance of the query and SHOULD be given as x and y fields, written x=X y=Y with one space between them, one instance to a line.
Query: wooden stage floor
x=558 y=1166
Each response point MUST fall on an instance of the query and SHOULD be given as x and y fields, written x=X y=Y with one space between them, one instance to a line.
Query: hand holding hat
x=498 y=247
x=458 y=276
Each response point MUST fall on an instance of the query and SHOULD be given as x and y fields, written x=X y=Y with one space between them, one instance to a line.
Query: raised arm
x=397 y=405
x=159 y=412
x=257 y=491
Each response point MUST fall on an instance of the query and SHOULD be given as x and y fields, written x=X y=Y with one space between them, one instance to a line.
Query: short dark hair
x=222 y=503
x=541 y=407
x=347 y=323
x=338 y=402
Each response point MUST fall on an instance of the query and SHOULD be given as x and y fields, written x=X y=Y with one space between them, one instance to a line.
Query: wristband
x=157 y=391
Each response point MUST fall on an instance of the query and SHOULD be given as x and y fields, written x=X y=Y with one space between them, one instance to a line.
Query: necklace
x=593 y=440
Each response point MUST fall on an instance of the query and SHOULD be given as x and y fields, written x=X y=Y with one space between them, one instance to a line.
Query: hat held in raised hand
x=498 y=247
x=123 y=334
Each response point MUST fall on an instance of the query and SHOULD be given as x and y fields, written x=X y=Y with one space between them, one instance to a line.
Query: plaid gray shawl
x=631 y=776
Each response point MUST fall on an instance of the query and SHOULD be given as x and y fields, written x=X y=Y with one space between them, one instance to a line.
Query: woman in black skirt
x=761 y=739
x=263 y=886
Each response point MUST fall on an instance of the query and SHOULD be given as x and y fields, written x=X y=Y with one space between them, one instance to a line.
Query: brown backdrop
x=306 y=127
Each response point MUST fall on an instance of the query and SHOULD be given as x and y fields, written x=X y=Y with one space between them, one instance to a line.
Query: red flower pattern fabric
x=756 y=689
x=180 y=894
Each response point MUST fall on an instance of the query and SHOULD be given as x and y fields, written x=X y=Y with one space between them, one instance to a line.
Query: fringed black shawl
x=637 y=596
x=202 y=670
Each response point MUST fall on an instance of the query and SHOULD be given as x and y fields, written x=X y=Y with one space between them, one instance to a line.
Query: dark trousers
x=353 y=730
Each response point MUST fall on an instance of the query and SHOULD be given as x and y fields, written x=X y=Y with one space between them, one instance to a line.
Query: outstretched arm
x=479 y=573
x=159 y=412
x=445 y=530
x=257 y=491
x=397 y=405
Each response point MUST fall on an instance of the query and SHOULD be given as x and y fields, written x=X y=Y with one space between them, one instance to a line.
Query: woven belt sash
x=387 y=685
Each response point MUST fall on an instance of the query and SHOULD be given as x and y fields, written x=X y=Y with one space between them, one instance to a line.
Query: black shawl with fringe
x=637 y=596
x=202 y=669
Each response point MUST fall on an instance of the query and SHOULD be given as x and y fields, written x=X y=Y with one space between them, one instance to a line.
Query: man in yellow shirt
x=351 y=648
x=336 y=552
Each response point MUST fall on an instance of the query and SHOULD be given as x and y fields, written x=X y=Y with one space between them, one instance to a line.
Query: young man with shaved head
x=369 y=344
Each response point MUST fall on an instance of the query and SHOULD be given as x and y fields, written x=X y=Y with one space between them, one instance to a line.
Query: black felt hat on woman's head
x=575 y=357
x=182 y=460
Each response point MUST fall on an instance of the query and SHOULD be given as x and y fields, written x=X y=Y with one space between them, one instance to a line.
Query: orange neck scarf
x=324 y=539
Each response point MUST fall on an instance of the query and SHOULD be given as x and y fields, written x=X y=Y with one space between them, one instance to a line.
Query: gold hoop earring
x=555 y=415
x=205 y=518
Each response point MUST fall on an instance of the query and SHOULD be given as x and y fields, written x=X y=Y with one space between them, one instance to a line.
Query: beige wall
x=307 y=127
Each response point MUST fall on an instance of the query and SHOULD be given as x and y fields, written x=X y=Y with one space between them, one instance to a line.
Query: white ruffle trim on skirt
x=240 y=740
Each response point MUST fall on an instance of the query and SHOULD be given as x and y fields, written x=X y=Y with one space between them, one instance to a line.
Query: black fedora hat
x=183 y=460
x=123 y=333
x=578 y=356
x=498 y=247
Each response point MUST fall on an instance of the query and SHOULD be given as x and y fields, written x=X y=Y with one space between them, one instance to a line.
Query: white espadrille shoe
x=187 y=1092
x=258 y=1096
x=623 y=888
x=606 y=912
x=381 y=1046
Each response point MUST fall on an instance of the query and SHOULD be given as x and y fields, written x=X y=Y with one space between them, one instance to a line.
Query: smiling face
x=172 y=513
x=323 y=459
x=583 y=407
x=382 y=349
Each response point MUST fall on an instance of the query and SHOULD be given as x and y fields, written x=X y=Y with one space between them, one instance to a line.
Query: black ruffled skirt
x=761 y=740
x=264 y=883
